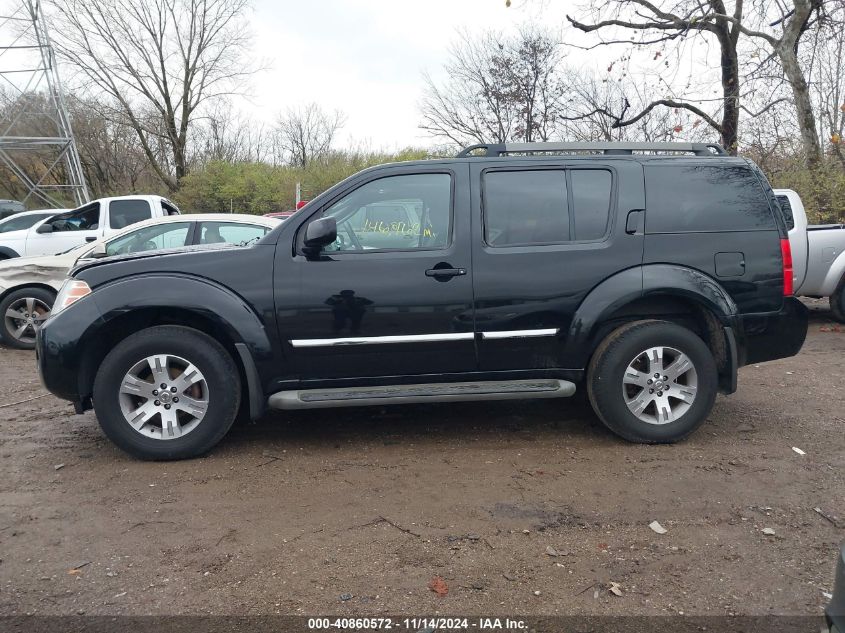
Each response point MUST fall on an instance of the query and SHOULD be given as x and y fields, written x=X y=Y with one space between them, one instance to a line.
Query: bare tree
x=306 y=134
x=159 y=61
x=227 y=135
x=499 y=89
x=779 y=26
x=111 y=154
x=654 y=25
x=827 y=85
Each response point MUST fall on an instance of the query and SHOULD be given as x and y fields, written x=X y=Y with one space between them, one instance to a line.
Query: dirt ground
x=355 y=511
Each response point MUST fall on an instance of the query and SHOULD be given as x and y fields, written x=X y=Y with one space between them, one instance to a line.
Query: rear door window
x=705 y=198
x=231 y=233
x=525 y=207
x=122 y=213
x=546 y=206
x=591 y=189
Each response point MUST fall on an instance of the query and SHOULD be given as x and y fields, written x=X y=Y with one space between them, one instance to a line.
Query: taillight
x=786 y=255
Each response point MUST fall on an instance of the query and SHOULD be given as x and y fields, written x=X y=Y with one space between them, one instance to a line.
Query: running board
x=437 y=392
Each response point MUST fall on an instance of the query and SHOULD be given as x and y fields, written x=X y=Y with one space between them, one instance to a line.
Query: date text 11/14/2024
x=418 y=623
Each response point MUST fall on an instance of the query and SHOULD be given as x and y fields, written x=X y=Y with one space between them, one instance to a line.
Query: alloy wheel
x=660 y=385
x=23 y=318
x=164 y=397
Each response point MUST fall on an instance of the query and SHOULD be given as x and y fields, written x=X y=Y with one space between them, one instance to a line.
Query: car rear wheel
x=652 y=382
x=837 y=302
x=23 y=313
x=167 y=392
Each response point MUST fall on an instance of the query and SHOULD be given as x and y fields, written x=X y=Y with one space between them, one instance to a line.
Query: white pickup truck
x=818 y=254
x=68 y=229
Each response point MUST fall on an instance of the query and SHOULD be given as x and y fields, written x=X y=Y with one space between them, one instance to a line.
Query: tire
x=27 y=302
x=621 y=358
x=837 y=302
x=124 y=387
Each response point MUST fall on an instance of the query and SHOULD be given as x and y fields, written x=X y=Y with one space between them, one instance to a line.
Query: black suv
x=646 y=274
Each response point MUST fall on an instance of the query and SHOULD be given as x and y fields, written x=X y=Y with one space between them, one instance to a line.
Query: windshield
x=19 y=223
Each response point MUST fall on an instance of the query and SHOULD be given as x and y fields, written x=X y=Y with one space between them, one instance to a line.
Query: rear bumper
x=835 y=612
x=772 y=336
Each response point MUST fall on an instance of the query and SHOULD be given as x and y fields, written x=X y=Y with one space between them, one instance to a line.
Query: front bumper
x=772 y=336
x=60 y=350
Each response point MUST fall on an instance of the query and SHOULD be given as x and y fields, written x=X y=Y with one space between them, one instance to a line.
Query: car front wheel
x=652 y=382
x=23 y=313
x=167 y=392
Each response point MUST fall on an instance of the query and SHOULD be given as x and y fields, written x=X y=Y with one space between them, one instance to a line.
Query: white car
x=28 y=285
x=24 y=221
x=64 y=229
x=818 y=254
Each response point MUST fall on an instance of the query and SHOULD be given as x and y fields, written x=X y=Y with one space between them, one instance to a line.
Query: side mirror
x=320 y=233
x=45 y=228
x=98 y=251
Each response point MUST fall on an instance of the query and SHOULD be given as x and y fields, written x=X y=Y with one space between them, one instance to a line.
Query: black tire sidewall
x=206 y=354
x=42 y=294
x=608 y=370
x=837 y=302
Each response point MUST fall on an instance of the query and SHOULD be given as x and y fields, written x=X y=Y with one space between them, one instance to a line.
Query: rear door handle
x=445 y=272
x=90 y=238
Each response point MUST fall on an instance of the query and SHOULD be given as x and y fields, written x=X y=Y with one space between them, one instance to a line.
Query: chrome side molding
x=381 y=340
x=520 y=333
x=420 y=338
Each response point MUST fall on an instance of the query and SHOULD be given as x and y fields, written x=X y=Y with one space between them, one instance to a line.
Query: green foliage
x=822 y=190
x=259 y=188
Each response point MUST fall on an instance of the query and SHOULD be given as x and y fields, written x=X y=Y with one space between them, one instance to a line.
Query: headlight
x=72 y=291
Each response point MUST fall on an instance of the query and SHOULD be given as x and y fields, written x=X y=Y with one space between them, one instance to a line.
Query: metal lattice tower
x=37 y=147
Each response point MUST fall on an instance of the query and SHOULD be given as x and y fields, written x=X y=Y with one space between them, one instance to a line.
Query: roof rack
x=609 y=148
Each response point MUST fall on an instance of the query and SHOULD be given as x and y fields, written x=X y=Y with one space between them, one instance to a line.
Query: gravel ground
x=355 y=511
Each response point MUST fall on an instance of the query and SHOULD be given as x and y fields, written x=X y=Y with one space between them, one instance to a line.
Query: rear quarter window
x=786 y=209
x=699 y=198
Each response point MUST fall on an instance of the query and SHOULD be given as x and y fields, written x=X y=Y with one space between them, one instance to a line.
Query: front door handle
x=445 y=273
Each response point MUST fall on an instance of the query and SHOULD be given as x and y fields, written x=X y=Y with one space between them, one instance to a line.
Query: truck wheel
x=837 y=302
x=23 y=313
x=652 y=382
x=167 y=392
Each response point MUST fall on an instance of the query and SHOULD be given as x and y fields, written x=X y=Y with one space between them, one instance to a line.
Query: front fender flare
x=5 y=251
x=211 y=301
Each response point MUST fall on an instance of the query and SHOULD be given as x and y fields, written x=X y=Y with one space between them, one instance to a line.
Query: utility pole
x=37 y=147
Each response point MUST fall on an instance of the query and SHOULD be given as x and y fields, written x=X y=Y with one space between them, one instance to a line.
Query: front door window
x=409 y=212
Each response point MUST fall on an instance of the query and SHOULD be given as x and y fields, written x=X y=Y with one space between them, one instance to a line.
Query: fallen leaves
x=438 y=586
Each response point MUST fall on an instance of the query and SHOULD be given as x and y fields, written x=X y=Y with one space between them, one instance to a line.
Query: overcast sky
x=366 y=57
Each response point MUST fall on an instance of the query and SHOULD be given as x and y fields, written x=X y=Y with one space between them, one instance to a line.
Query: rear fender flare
x=627 y=286
x=6 y=252
x=835 y=275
